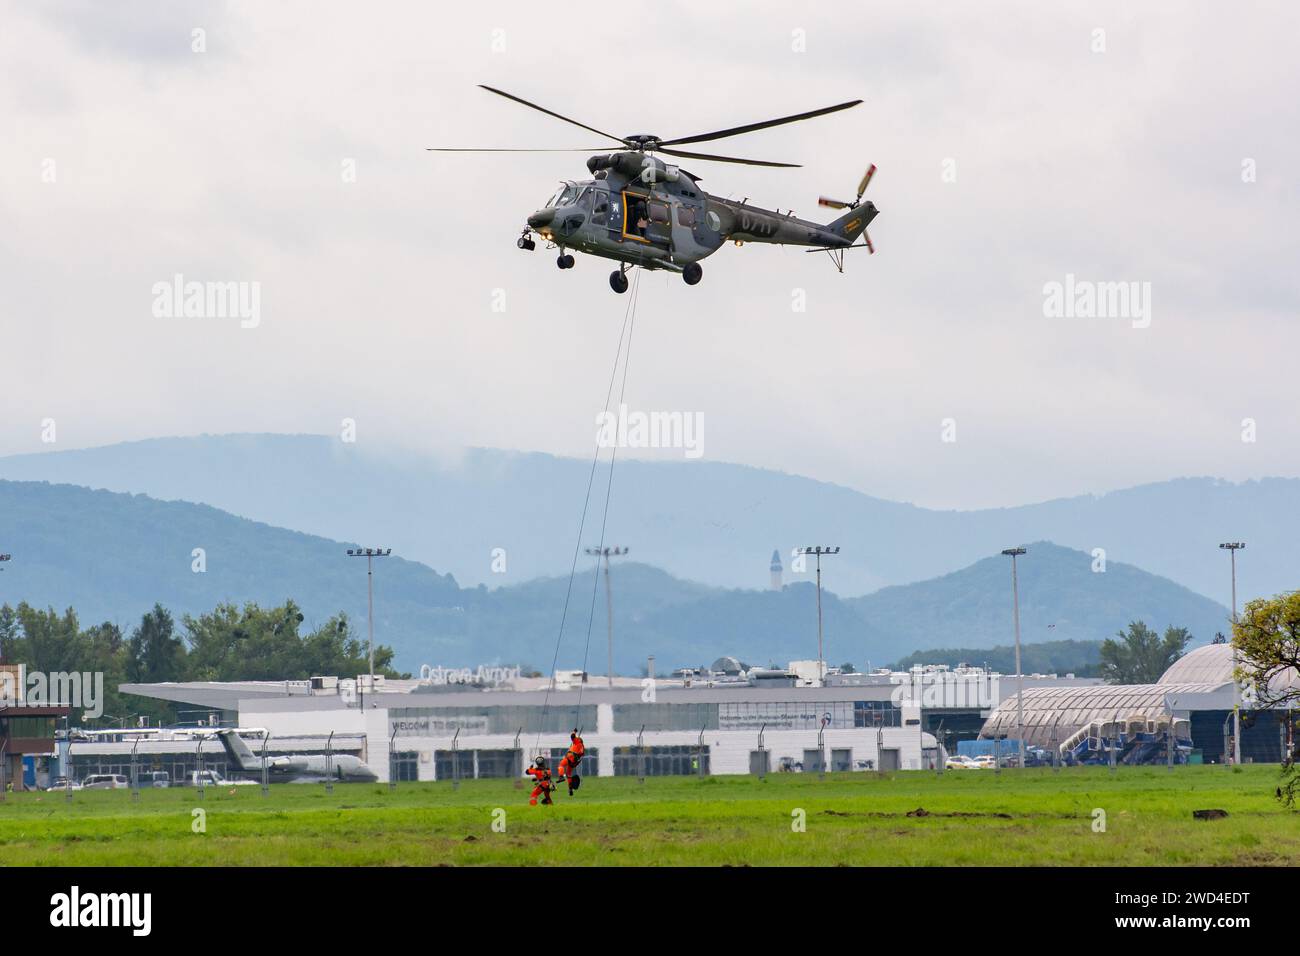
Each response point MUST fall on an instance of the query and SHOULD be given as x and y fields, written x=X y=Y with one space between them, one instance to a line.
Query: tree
x=1140 y=656
x=254 y=643
x=8 y=632
x=155 y=654
x=1267 y=642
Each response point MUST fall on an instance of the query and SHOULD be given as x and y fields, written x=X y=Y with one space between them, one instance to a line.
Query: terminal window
x=405 y=766
x=665 y=761
x=875 y=713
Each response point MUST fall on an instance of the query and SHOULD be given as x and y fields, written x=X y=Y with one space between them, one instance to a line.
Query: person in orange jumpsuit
x=568 y=771
x=541 y=775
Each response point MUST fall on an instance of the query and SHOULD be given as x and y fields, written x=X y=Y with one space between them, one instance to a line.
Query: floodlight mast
x=818 y=551
x=1020 y=677
x=370 y=554
x=608 y=553
x=1233 y=548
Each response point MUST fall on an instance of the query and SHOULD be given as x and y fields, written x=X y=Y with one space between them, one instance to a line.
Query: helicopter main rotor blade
x=542 y=109
x=724 y=159
x=751 y=127
x=510 y=149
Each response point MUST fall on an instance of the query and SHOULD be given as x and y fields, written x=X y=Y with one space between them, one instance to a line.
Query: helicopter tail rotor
x=848 y=223
x=862 y=188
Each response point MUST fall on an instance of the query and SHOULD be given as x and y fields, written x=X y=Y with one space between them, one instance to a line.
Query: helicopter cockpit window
x=584 y=199
x=564 y=195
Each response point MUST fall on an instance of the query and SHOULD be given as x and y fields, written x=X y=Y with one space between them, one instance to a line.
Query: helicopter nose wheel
x=693 y=273
x=525 y=242
x=618 y=281
x=565 y=261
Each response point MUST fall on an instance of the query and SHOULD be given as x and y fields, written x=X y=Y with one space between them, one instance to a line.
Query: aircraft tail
x=238 y=751
x=854 y=222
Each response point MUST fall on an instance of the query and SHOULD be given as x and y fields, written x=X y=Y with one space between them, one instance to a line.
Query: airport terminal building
x=727 y=719
x=718 y=721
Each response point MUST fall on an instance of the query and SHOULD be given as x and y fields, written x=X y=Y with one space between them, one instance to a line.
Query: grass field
x=974 y=818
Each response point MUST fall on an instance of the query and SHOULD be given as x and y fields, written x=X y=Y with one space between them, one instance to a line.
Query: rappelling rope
x=595 y=584
x=591 y=477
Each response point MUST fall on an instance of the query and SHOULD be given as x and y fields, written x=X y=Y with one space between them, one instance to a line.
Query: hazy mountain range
x=710 y=522
x=112 y=555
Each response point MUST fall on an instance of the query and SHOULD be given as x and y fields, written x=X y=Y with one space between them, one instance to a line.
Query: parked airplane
x=296 y=768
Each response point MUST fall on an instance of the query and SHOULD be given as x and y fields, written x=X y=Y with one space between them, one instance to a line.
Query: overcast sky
x=1017 y=143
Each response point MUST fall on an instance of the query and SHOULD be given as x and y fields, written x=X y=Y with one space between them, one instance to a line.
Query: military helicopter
x=641 y=211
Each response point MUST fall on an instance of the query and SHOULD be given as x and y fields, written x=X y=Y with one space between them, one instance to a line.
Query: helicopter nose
x=541 y=218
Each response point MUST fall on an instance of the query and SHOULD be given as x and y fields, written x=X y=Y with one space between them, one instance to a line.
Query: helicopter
x=641 y=211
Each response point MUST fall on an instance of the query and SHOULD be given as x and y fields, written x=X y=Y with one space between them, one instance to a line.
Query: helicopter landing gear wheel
x=565 y=261
x=618 y=281
x=693 y=273
x=523 y=242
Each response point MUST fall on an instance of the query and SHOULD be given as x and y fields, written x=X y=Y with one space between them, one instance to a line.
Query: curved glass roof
x=1211 y=664
x=1052 y=714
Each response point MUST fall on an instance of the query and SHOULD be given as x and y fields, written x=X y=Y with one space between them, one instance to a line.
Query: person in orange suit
x=568 y=771
x=541 y=775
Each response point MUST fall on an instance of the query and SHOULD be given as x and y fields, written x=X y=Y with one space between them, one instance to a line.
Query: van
x=105 y=781
x=159 y=779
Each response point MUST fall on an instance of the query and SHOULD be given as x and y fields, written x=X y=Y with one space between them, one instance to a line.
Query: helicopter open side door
x=646 y=219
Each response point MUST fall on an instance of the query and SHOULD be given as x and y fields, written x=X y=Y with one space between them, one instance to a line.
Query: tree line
x=229 y=643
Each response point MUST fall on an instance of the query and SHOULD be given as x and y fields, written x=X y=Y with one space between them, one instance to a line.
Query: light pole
x=370 y=554
x=1013 y=553
x=1232 y=547
x=818 y=551
x=606 y=554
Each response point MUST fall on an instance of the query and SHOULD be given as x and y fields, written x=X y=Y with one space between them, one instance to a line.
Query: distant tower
x=776 y=570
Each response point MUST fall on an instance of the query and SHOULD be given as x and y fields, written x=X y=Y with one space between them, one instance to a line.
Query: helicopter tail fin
x=854 y=222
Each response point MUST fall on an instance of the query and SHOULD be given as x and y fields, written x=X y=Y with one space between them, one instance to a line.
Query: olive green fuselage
x=640 y=211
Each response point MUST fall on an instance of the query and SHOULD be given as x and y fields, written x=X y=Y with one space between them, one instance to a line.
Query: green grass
x=975 y=818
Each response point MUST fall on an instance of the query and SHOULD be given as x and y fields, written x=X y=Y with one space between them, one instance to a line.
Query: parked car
x=105 y=781
x=61 y=783
x=961 y=763
x=159 y=779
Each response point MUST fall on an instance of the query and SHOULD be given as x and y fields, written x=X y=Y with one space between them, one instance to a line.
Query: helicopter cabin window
x=659 y=212
x=600 y=210
x=686 y=216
